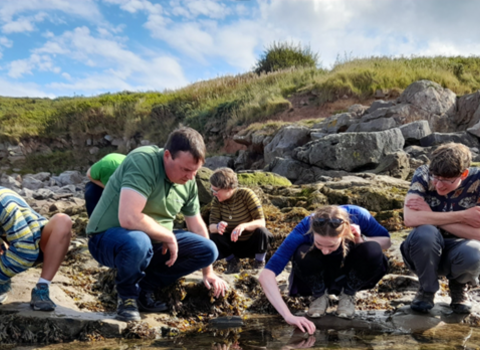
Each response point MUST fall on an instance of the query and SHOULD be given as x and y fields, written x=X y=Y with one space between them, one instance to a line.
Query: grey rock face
x=218 y=162
x=32 y=183
x=69 y=178
x=379 y=104
x=468 y=111
x=413 y=132
x=373 y=125
x=437 y=138
x=430 y=97
x=285 y=141
x=336 y=123
x=350 y=151
x=291 y=169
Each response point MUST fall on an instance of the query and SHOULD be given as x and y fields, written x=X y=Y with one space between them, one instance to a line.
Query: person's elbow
x=129 y=221
x=265 y=276
x=408 y=218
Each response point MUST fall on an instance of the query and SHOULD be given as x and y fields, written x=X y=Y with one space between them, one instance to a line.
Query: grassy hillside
x=227 y=101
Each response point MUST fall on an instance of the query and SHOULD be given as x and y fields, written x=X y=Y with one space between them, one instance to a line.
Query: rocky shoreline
x=364 y=156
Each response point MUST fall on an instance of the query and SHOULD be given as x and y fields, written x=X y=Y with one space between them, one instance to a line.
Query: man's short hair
x=450 y=160
x=186 y=140
x=224 y=178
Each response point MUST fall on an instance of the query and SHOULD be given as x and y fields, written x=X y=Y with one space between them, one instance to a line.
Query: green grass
x=225 y=102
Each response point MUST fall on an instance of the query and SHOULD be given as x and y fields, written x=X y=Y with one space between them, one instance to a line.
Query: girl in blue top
x=336 y=250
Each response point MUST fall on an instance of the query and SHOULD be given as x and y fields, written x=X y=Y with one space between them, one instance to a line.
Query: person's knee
x=138 y=248
x=63 y=224
x=425 y=238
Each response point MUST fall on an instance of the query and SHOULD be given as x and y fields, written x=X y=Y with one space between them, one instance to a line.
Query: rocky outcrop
x=350 y=151
x=285 y=141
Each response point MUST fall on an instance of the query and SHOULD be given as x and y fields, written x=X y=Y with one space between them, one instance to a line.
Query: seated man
x=98 y=174
x=442 y=205
x=131 y=228
x=30 y=239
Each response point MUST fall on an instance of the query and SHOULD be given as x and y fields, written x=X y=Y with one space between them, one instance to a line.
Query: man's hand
x=302 y=323
x=221 y=226
x=219 y=286
x=172 y=247
x=237 y=232
x=417 y=203
x=471 y=217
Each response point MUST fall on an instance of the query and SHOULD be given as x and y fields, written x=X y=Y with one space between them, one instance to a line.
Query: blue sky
x=51 y=48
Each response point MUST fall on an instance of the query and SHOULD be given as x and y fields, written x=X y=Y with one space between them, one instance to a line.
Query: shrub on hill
x=285 y=55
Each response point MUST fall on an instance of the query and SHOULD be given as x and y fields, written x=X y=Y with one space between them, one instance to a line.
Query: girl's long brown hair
x=324 y=229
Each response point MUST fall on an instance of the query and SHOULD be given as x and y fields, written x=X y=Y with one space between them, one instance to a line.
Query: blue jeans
x=93 y=192
x=141 y=264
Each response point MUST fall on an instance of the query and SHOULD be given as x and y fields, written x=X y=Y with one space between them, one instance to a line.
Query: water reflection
x=271 y=333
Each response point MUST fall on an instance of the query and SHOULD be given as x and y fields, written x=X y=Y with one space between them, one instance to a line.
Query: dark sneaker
x=423 y=301
x=233 y=266
x=3 y=298
x=41 y=298
x=147 y=302
x=460 y=303
x=258 y=265
x=127 y=310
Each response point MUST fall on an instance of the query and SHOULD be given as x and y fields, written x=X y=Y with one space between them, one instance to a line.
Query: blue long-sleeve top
x=358 y=215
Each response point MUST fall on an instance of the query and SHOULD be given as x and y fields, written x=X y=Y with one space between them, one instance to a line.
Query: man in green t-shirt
x=131 y=229
x=99 y=173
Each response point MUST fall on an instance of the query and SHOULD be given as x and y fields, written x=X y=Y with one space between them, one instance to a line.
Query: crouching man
x=442 y=205
x=28 y=240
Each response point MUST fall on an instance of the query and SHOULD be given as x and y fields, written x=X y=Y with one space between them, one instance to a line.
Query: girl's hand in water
x=302 y=323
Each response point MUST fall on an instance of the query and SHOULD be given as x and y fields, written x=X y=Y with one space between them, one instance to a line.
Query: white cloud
x=207 y=8
x=21 y=67
x=4 y=41
x=14 y=89
x=19 y=26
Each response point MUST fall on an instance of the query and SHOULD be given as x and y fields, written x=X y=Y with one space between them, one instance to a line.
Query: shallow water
x=272 y=333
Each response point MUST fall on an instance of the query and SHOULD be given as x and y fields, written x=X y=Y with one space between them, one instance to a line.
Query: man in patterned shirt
x=28 y=240
x=443 y=206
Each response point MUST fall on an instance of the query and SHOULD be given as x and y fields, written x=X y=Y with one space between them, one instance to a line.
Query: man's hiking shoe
x=3 y=298
x=460 y=303
x=423 y=301
x=346 y=306
x=41 y=298
x=127 y=310
x=318 y=307
x=147 y=303
x=233 y=266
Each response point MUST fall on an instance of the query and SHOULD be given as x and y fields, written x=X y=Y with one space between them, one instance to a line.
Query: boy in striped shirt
x=28 y=240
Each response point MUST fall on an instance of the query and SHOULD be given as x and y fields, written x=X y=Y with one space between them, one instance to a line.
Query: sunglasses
x=334 y=223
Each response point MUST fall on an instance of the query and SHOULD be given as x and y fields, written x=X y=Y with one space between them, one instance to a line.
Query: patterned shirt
x=22 y=227
x=467 y=195
x=243 y=206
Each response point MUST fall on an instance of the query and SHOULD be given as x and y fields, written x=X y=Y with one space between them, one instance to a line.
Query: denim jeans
x=429 y=255
x=141 y=264
x=93 y=192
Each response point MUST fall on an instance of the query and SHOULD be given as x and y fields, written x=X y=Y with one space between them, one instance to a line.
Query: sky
x=53 y=48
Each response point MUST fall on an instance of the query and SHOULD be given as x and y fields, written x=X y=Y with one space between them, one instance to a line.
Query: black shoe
x=460 y=303
x=233 y=266
x=147 y=302
x=423 y=301
x=127 y=310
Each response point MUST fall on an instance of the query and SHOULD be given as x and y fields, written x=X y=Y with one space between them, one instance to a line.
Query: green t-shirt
x=105 y=167
x=143 y=171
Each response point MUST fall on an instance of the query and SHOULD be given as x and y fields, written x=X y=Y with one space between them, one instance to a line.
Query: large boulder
x=336 y=123
x=261 y=178
x=373 y=125
x=437 y=138
x=414 y=132
x=430 y=97
x=216 y=162
x=351 y=151
x=69 y=178
x=31 y=183
x=203 y=183
x=468 y=111
x=394 y=164
x=283 y=143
